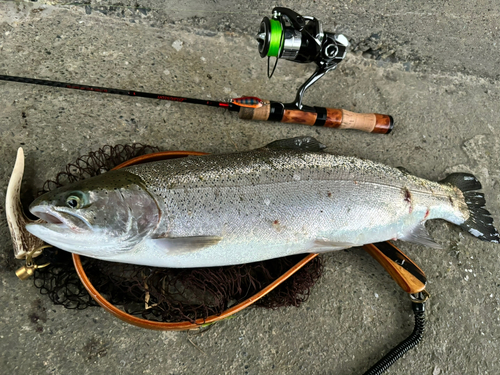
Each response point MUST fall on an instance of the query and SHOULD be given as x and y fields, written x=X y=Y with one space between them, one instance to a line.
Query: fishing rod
x=286 y=35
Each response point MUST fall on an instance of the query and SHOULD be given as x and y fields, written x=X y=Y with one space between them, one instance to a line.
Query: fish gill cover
x=163 y=294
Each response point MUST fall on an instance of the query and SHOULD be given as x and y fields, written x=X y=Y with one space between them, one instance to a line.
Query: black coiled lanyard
x=413 y=281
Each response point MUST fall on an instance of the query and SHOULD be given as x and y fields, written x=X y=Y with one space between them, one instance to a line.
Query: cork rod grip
x=368 y=122
x=328 y=117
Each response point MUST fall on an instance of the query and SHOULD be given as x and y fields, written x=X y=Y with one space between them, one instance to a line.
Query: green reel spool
x=275 y=38
x=270 y=37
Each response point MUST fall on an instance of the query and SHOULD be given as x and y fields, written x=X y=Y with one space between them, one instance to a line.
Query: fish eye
x=74 y=201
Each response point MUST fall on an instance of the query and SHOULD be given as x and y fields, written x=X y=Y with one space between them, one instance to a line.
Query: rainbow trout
x=287 y=198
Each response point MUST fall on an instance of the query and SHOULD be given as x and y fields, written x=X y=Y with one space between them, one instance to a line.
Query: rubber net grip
x=405 y=279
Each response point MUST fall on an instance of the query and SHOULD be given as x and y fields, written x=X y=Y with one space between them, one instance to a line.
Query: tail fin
x=480 y=222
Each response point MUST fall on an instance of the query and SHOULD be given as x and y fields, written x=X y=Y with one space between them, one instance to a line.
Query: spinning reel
x=288 y=35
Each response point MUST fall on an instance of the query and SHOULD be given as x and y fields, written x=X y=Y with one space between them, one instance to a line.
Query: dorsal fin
x=297 y=143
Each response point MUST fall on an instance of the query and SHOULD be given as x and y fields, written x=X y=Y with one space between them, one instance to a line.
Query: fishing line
x=276 y=54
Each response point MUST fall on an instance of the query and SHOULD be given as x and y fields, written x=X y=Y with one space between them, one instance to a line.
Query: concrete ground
x=432 y=65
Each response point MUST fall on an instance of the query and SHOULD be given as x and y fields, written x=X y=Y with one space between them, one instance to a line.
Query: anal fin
x=420 y=235
x=324 y=244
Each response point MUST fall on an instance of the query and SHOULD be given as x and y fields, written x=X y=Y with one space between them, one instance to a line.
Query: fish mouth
x=60 y=219
x=49 y=218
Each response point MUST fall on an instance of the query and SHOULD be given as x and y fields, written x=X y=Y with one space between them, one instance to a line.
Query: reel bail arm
x=319 y=72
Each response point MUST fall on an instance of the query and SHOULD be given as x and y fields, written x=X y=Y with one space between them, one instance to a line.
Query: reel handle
x=320 y=116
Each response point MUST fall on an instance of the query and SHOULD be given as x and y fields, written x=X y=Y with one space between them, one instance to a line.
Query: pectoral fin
x=420 y=235
x=186 y=244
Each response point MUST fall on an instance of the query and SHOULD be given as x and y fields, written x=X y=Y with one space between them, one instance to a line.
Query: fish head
x=98 y=217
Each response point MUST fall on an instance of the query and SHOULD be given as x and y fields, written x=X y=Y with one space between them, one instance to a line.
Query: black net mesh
x=163 y=294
